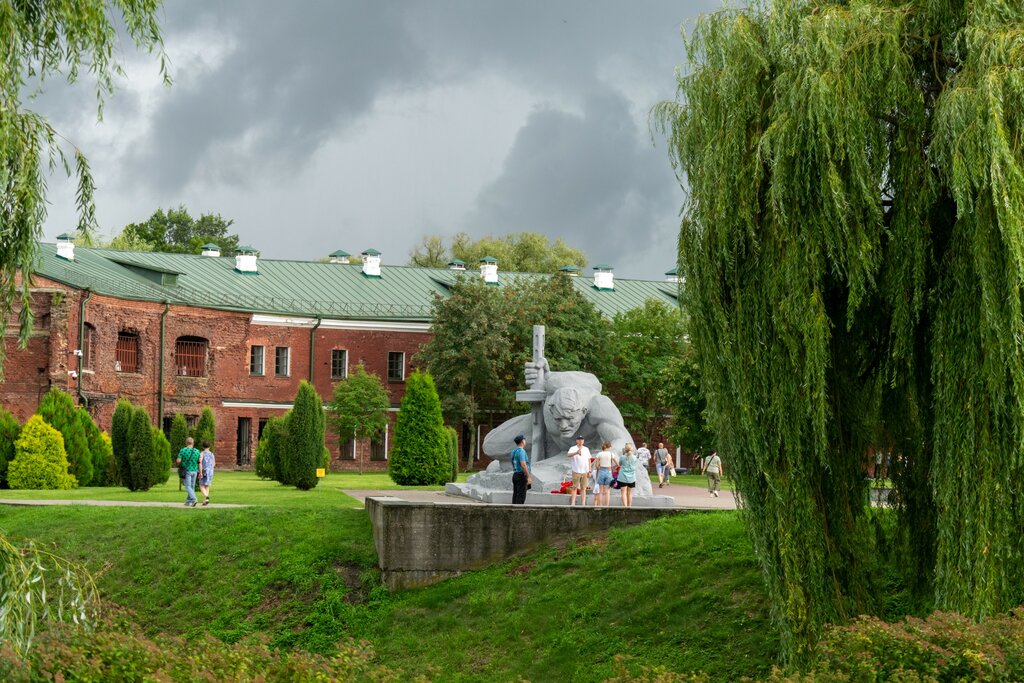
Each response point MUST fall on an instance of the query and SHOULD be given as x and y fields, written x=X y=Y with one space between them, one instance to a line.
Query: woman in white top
x=604 y=461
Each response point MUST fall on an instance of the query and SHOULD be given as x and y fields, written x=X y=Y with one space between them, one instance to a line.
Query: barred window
x=281 y=361
x=126 y=354
x=89 y=347
x=339 y=364
x=396 y=366
x=256 y=360
x=190 y=356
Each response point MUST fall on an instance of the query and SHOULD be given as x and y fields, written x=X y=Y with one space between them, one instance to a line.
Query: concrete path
x=111 y=503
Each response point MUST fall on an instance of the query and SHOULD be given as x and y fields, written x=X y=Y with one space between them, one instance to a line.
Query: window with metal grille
x=126 y=354
x=396 y=366
x=339 y=364
x=89 y=347
x=256 y=360
x=281 y=361
x=190 y=356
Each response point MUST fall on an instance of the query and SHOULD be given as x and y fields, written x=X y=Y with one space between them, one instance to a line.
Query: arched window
x=126 y=355
x=190 y=356
x=89 y=347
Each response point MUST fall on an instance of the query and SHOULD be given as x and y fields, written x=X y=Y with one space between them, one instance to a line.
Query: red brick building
x=175 y=333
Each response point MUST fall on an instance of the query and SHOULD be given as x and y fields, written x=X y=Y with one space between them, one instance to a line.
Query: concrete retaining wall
x=423 y=543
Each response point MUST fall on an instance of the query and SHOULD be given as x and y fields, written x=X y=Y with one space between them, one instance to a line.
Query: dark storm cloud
x=584 y=178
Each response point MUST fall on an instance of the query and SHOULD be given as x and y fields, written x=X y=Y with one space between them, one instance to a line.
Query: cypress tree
x=420 y=455
x=119 y=425
x=205 y=431
x=99 y=450
x=140 y=451
x=305 y=439
x=275 y=432
x=59 y=411
x=160 y=463
x=9 y=432
x=853 y=246
x=179 y=432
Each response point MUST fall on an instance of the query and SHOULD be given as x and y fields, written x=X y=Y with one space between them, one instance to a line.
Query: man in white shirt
x=579 y=455
x=643 y=455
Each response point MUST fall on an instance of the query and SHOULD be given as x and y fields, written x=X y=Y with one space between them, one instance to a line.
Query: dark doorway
x=244 y=442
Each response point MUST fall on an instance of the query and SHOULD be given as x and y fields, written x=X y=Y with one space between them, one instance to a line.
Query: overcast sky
x=336 y=124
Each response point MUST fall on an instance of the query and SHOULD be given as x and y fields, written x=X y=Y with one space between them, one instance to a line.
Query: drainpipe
x=81 y=336
x=311 y=344
x=160 y=386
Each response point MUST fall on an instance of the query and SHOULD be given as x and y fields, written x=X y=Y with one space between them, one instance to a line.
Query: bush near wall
x=59 y=411
x=161 y=462
x=119 y=425
x=40 y=461
x=420 y=454
x=275 y=435
x=104 y=473
x=205 y=431
x=9 y=432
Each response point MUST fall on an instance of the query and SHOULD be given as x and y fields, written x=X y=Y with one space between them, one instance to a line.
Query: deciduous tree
x=44 y=40
x=524 y=252
x=853 y=243
x=359 y=407
x=175 y=231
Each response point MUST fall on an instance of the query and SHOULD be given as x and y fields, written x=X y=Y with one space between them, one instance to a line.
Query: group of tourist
x=195 y=466
x=595 y=472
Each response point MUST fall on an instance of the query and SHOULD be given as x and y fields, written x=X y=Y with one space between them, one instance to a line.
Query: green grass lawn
x=683 y=593
x=236 y=487
x=695 y=480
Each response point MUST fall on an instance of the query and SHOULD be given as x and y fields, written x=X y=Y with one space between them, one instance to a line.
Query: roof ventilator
x=339 y=257
x=245 y=259
x=210 y=249
x=371 y=263
x=603 y=277
x=66 y=247
x=489 y=270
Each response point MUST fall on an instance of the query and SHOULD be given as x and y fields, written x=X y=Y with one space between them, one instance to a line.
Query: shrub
x=420 y=455
x=59 y=411
x=161 y=457
x=325 y=460
x=119 y=426
x=9 y=432
x=266 y=449
x=119 y=651
x=179 y=432
x=205 y=430
x=141 y=452
x=305 y=439
x=453 y=452
x=944 y=647
x=40 y=461
x=103 y=471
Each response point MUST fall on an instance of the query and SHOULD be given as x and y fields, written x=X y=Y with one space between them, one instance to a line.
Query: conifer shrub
x=275 y=434
x=103 y=471
x=119 y=426
x=420 y=455
x=325 y=460
x=162 y=458
x=141 y=452
x=9 y=432
x=452 y=448
x=59 y=411
x=205 y=430
x=40 y=461
x=305 y=439
x=179 y=432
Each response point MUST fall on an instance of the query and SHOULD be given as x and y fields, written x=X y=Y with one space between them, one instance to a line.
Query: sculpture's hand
x=536 y=373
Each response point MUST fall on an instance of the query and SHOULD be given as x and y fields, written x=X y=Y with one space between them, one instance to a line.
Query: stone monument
x=563 y=404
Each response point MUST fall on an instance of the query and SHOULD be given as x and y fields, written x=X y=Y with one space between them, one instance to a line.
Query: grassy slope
x=683 y=593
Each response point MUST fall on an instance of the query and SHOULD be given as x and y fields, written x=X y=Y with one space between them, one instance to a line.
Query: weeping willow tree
x=853 y=246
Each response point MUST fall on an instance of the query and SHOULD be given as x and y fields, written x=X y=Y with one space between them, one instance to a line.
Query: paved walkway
x=110 y=503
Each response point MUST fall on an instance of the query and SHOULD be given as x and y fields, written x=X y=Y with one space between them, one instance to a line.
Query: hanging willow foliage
x=853 y=245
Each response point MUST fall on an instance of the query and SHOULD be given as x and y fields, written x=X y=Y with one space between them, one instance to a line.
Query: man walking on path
x=713 y=468
x=580 y=457
x=661 y=458
x=521 y=479
x=188 y=460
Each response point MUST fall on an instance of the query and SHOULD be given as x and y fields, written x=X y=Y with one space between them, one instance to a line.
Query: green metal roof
x=301 y=288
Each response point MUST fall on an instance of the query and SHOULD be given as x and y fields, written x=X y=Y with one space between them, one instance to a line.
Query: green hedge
x=40 y=461
x=9 y=432
x=59 y=411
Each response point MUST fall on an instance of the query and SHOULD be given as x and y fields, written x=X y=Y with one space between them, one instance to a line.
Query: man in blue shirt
x=520 y=471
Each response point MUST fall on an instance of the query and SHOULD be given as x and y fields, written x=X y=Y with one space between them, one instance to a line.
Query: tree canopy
x=853 y=242
x=523 y=252
x=43 y=40
x=359 y=406
x=175 y=231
